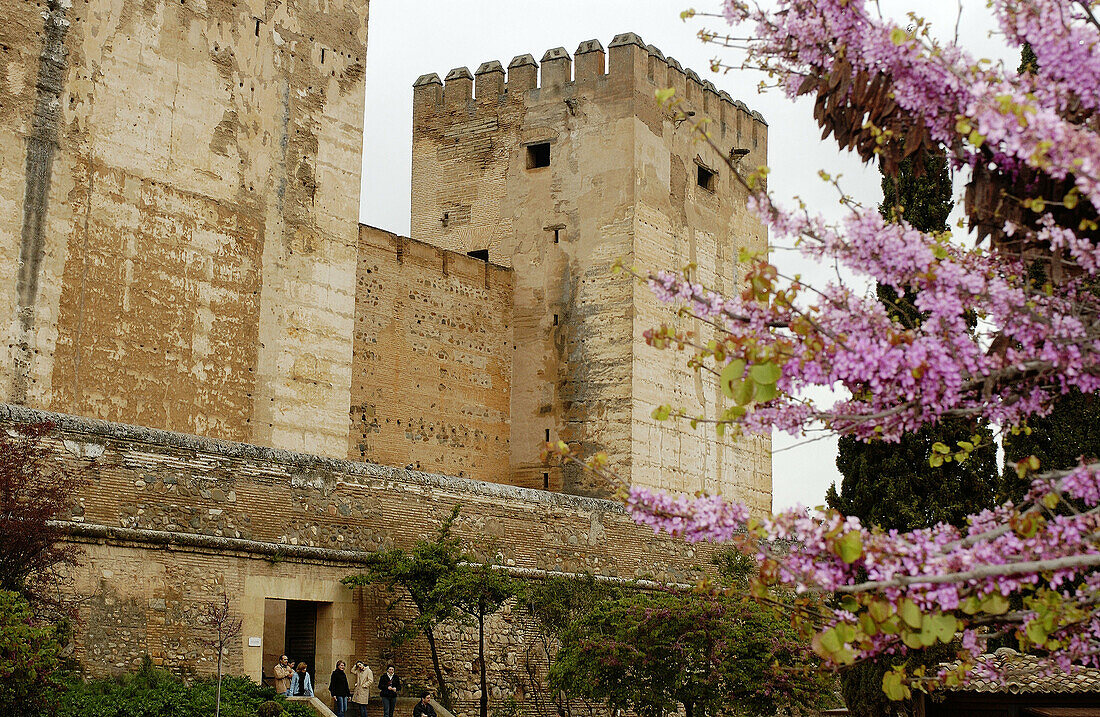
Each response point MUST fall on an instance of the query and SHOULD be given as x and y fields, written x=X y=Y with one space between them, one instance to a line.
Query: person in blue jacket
x=300 y=684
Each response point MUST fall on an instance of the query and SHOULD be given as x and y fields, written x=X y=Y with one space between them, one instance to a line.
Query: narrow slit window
x=546 y=481
x=555 y=319
x=257 y=27
x=538 y=155
x=557 y=235
x=547 y=435
x=706 y=178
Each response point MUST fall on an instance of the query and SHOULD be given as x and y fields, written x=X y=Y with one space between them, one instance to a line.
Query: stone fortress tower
x=557 y=173
x=175 y=214
x=261 y=391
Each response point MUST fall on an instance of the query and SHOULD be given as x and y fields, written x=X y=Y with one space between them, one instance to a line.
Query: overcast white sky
x=408 y=39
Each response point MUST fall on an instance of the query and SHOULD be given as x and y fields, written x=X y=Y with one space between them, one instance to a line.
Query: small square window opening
x=538 y=155
x=706 y=178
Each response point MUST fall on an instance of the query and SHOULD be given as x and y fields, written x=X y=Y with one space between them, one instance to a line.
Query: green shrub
x=30 y=652
x=270 y=708
x=152 y=692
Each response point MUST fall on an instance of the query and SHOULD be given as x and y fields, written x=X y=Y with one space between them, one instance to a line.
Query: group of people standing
x=295 y=682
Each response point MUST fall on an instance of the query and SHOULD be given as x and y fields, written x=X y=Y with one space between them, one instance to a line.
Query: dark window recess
x=546 y=481
x=538 y=155
x=557 y=235
x=257 y=27
x=555 y=319
x=547 y=435
x=706 y=178
x=482 y=254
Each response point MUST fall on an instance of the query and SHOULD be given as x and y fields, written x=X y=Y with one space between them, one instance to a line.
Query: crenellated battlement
x=627 y=62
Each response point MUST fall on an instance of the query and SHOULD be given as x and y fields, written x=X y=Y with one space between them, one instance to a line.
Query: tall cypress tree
x=1068 y=433
x=892 y=485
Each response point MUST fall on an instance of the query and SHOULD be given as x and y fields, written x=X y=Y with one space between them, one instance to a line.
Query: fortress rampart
x=175 y=213
x=170 y=521
x=196 y=308
x=558 y=169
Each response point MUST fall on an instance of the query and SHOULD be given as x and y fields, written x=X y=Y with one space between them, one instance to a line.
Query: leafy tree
x=478 y=590
x=30 y=654
x=555 y=602
x=34 y=491
x=652 y=652
x=893 y=485
x=419 y=573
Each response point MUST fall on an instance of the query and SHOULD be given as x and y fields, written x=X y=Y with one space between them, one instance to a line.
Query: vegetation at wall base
x=154 y=692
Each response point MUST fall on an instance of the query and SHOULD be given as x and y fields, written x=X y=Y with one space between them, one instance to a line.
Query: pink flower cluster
x=990 y=341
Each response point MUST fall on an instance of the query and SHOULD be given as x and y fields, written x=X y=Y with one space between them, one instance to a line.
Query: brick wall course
x=432 y=365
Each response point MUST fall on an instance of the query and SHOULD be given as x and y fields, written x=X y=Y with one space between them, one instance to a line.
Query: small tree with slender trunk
x=220 y=619
x=479 y=590
x=420 y=572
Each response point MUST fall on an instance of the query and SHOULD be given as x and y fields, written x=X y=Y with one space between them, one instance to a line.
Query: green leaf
x=664 y=95
x=731 y=373
x=743 y=392
x=893 y=685
x=765 y=373
x=849 y=546
x=1036 y=632
x=910 y=613
x=995 y=604
x=766 y=392
x=942 y=627
x=898 y=36
x=662 y=412
x=880 y=610
x=970 y=605
x=911 y=639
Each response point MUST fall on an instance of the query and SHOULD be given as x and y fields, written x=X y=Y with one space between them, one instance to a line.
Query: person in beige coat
x=360 y=693
x=283 y=672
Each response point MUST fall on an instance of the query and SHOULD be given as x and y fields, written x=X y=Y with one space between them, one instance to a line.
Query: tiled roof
x=1024 y=674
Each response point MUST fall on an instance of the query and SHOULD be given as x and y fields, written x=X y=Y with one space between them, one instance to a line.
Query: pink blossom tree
x=992 y=341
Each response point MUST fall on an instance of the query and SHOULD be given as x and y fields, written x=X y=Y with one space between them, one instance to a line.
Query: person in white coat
x=360 y=693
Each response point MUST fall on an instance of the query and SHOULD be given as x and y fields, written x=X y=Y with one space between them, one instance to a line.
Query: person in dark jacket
x=388 y=687
x=424 y=706
x=339 y=689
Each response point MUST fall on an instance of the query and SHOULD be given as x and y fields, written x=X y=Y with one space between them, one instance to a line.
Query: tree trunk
x=218 y=693
x=481 y=656
x=444 y=693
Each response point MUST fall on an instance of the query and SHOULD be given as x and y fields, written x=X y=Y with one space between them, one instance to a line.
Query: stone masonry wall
x=170 y=521
x=679 y=223
x=622 y=184
x=174 y=213
x=432 y=366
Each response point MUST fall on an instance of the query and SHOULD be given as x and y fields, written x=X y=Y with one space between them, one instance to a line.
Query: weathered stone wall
x=678 y=223
x=621 y=184
x=432 y=367
x=171 y=521
x=174 y=212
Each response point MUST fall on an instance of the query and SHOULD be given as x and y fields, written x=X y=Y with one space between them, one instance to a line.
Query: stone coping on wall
x=108 y=430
